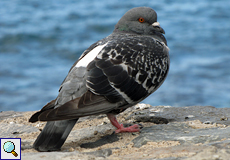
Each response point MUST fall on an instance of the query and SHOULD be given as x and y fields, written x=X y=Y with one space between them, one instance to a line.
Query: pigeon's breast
x=131 y=68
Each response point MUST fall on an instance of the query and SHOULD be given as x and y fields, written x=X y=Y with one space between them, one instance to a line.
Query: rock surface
x=168 y=133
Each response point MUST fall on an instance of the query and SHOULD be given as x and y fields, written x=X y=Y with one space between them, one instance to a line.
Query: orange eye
x=141 y=20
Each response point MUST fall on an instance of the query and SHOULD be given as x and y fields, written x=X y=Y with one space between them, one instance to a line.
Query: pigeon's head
x=141 y=20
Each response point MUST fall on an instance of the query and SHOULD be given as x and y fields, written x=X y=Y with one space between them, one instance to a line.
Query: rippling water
x=40 y=40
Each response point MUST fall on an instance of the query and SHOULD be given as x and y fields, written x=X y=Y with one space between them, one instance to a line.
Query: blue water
x=40 y=40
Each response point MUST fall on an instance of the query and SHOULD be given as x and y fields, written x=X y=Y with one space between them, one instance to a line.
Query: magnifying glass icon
x=9 y=147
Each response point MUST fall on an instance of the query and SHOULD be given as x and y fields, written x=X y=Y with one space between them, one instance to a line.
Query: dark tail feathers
x=54 y=135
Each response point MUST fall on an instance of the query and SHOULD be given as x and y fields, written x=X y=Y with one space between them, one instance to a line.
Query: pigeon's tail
x=54 y=135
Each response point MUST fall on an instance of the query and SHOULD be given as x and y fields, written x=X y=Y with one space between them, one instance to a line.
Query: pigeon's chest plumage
x=128 y=67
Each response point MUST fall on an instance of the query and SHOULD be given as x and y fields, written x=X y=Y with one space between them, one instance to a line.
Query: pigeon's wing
x=72 y=87
x=73 y=94
x=123 y=73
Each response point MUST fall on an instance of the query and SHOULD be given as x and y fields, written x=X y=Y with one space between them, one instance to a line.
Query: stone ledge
x=195 y=132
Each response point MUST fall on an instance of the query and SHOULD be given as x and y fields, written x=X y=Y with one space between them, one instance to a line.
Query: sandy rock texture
x=168 y=133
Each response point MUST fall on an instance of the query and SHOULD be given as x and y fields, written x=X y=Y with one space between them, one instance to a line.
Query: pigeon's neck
x=156 y=35
x=159 y=37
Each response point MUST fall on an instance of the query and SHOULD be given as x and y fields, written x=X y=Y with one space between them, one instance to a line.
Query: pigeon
x=113 y=74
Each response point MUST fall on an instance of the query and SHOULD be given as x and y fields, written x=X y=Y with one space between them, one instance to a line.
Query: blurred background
x=40 y=40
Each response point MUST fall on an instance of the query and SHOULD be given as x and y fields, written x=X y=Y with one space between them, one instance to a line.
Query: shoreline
x=193 y=132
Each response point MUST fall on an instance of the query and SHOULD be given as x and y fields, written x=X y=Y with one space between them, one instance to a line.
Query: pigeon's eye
x=141 y=20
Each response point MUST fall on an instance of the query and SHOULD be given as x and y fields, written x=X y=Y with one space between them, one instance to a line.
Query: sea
x=40 y=41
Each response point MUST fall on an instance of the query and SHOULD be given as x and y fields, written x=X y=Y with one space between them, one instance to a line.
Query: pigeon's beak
x=157 y=27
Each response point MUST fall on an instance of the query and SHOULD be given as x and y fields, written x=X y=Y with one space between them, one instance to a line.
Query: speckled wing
x=74 y=99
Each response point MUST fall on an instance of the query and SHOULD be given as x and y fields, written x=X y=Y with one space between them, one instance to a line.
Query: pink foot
x=120 y=127
x=133 y=128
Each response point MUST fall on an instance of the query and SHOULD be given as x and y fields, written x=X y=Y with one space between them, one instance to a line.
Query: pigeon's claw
x=120 y=127
x=133 y=128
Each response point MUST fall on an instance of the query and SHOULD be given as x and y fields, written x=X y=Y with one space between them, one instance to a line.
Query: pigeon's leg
x=120 y=127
